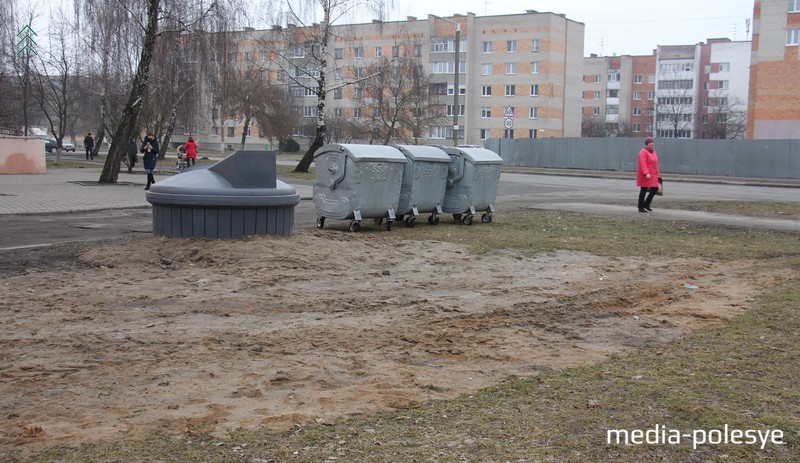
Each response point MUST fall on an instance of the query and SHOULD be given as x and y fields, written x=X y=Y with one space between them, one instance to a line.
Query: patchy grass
x=288 y=172
x=742 y=373
x=532 y=232
x=773 y=210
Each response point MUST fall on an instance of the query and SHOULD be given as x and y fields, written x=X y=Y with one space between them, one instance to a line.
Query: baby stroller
x=180 y=164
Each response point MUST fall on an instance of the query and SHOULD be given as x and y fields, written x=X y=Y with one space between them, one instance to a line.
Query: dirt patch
x=117 y=340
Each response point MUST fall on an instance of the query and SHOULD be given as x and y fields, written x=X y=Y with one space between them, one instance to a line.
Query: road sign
x=509 y=113
x=508 y=123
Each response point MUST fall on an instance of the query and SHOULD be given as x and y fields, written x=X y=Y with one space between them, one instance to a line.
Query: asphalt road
x=607 y=196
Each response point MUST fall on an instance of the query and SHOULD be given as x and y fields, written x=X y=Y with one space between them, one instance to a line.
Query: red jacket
x=647 y=164
x=190 y=148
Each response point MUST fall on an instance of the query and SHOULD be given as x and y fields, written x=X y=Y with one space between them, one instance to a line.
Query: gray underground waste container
x=236 y=197
x=424 y=181
x=355 y=182
x=472 y=183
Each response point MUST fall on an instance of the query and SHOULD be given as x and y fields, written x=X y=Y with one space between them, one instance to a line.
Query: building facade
x=515 y=78
x=774 y=103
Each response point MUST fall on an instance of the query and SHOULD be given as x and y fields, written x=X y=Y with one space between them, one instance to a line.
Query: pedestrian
x=190 y=148
x=132 y=157
x=647 y=175
x=150 y=150
x=88 y=143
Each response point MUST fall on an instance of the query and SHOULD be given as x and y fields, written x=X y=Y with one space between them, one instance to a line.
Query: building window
x=535 y=90
x=511 y=90
x=638 y=79
x=597 y=78
x=356 y=113
x=612 y=109
x=612 y=93
x=534 y=67
x=337 y=73
x=651 y=78
x=486 y=112
x=637 y=95
x=378 y=52
x=308 y=111
x=511 y=68
x=357 y=93
x=535 y=45
x=533 y=133
x=310 y=91
x=395 y=51
x=337 y=113
x=651 y=95
x=358 y=52
x=596 y=111
x=487 y=47
x=794 y=6
x=460 y=110
x=509 y=133
x=793 y=37
x=613 y=77
x=707 y=69
x=724 y=84
x=462 y=89
x=484 y=134
x=511 y=46
x=636 y=127
x=486 y=69
x=486 y=90
x=230 y=131
x=637 y=111
x=439 y=89
x=724 y=67
x=357 y=73
x=722 y=101
x=533 y=113
x=337 y=93
x=297 y=52
x=417 y=50
x=437 y=132
x=596 y=94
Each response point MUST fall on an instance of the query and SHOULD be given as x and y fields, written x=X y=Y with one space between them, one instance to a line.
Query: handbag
x=660 y=191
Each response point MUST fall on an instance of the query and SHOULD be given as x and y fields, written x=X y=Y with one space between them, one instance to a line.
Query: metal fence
x=726 y=158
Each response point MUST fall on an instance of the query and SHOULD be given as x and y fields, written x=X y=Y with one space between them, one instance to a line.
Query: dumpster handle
x=337 y=169
x=452 y=181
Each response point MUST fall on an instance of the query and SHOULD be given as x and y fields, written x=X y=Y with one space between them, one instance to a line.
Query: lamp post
x=455 y=80
x=455 y=87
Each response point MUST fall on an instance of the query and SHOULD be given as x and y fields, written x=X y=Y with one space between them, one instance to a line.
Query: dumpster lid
x=423 y=153
x=475 y=155
x=364 y=152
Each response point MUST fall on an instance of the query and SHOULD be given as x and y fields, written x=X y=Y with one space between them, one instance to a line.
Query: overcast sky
x=624 y=27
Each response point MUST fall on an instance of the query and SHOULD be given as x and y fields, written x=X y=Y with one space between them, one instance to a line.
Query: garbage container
x=472 y=182
x=236 y=197
x=356 y=182
x=424 y=181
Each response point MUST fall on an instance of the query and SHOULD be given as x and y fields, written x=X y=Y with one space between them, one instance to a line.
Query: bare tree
x=315 y=38
x=16 y=68
x=280 y=114
x=593 y=126
x=726 y=119
x=675 y=107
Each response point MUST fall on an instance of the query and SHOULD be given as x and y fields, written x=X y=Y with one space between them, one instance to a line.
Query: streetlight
x=455 y=80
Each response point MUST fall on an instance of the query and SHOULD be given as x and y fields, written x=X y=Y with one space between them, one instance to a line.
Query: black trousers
x=89 y=153
x=644 y=203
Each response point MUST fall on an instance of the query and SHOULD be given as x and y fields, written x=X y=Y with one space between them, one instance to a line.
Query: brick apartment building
x=774 y=102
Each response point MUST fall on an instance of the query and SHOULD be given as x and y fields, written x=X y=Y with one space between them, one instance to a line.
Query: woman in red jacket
x=647 y=175
x=190 y=148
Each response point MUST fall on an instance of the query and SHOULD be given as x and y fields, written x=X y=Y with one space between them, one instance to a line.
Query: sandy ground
x=120 y=339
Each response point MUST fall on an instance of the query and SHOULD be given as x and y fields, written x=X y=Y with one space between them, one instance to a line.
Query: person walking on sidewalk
x=88 y=143
x=150 y=151
x=647 y=175
x=190 y=148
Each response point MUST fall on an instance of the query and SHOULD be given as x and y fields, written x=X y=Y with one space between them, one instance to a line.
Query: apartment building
x=618 y=96
x=774 y=103
x=515 y=76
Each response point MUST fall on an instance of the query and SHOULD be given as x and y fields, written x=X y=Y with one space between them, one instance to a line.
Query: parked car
x=51 y=146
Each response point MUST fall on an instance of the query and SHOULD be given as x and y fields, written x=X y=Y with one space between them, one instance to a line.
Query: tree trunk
x=173 y=116
x=244 y=130
x=127 y=124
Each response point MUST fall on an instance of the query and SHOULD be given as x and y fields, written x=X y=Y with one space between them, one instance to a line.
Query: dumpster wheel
x=456 y=216
x=388 y=225
x=433 y=219
x=320 y=222
x=410 y=222
x=486 y=218
x=467 y=220
x=355 y=226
